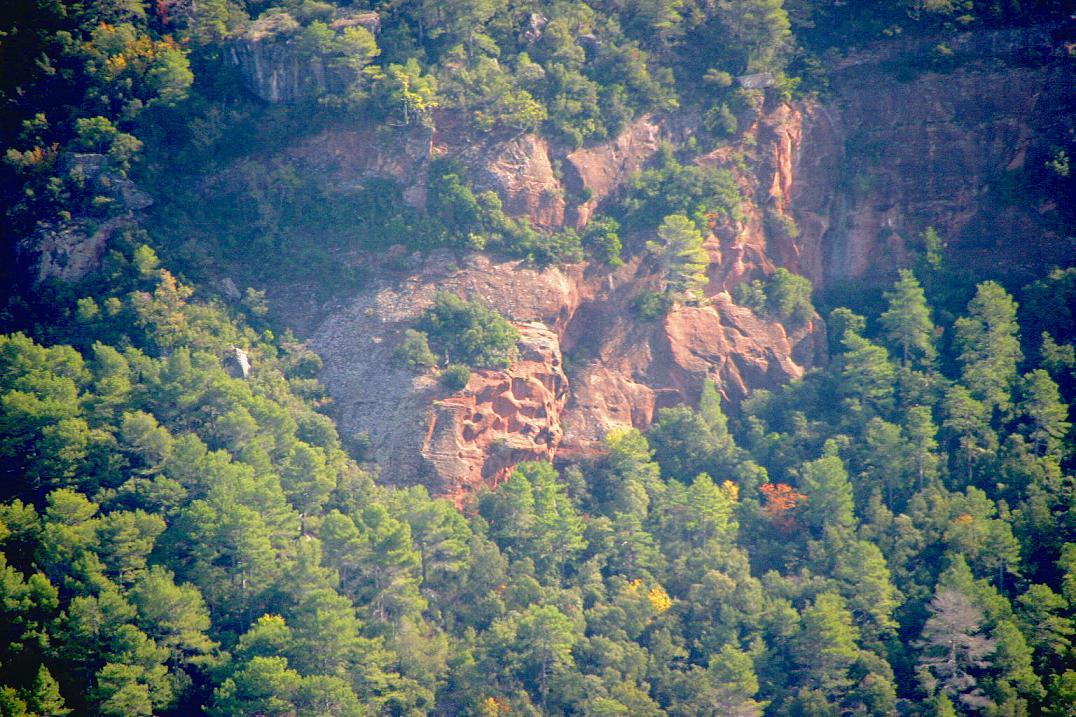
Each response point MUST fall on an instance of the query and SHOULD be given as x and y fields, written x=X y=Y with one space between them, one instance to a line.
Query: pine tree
x=867 y=375
x=628 y=473
x=1045 y=412
x=173 y=615
x=264 y=686
x=43 y=698
x=1012 y=663
x=920 y=432
x=989 y=346
x=735 y=684
x=682 y=257
x=534 y=645
x=907 y=321
x=1042 y=619
x=683 y=443
x=969 y=420
x=943 y=706
x=829 y=494
x=826 y=645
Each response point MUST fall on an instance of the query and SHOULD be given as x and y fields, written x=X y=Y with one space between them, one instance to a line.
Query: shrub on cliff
x=602 y=240
x=651 y=305
x=468 y=332
x=415 y=351
x=784 y=296
x=705 y=194
x=455 y=377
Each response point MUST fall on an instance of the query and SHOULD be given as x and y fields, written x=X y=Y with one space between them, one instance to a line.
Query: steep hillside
x=839 y=188
x=467 y=359
x=862 y=174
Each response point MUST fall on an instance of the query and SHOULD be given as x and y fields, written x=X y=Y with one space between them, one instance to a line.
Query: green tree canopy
x=683 y=260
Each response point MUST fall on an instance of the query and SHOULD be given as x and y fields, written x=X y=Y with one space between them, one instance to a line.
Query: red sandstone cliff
x=622 y=370
x=836 y=191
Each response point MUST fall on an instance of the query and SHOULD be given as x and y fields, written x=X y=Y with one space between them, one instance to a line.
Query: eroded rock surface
x=475 y=437
x=344 y=158
x=601 y=169
x=891 y=155
x=834 y=191
x=621 y=372
x=420 y=433
x=68 y=250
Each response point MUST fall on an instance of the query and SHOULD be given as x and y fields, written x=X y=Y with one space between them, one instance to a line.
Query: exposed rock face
x=836 y=191
x=419 y=432
x=276 y=71
x=476 y=437
x=890 y=156
x=522 y=174
x=71 y=250
x=238 y=363
x=68 y=250
x=761 y=241
x=602 y=169
x=275 y=67
x=622 y=370
x=344 y=158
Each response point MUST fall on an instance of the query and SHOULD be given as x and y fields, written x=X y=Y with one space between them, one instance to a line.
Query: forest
x=892 y=534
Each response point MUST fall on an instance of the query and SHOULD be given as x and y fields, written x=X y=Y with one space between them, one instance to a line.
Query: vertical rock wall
x=907 y=142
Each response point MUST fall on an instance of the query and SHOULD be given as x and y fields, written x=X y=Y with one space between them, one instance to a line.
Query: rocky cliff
x=954 y=136
x=912 y=135
x=453 y=443
x=588 y=364
x=275 y=66
x=621 y=370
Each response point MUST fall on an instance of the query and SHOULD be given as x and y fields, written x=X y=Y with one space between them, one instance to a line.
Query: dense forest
x=181 y=533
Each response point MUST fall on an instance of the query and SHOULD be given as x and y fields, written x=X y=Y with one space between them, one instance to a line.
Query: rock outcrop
x=621 y=371
x=765 y=169
x=474 y=438
x=522 y=174
x=276 y=67
x=96 y=173
x=939 y=143
x=836 y=191
x=70 y=249
x=598 y=171
x=419 y=432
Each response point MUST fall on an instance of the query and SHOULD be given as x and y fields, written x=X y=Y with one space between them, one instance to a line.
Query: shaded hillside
x=438 y=359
